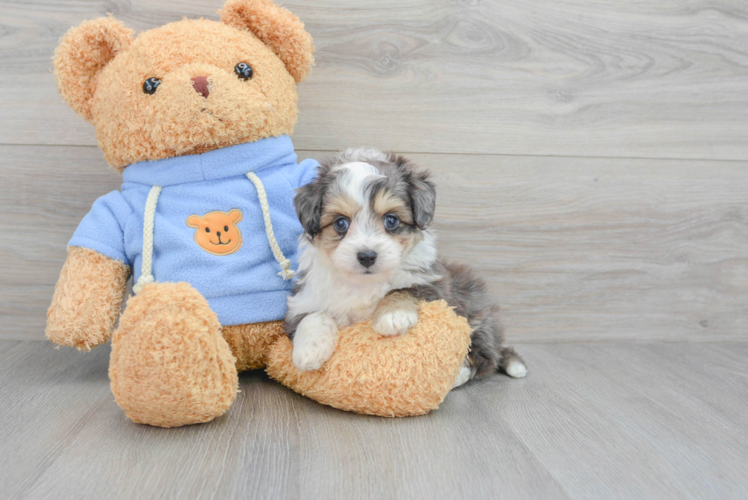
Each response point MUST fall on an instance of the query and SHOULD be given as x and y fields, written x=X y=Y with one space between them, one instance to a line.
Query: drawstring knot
x=286 y=272
x=142 y=281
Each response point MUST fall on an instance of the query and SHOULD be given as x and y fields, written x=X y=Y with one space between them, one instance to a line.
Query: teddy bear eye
x=207 y=229
x=226 y=228
x=150 y=85
x=243 y=71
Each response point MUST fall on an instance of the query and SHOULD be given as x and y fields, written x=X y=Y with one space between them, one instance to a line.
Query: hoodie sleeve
x=305 y=172
x=103 y=228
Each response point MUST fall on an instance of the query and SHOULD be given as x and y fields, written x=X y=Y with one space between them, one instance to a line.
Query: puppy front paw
x=395 y=321
x=314 y=342
x=312 y=356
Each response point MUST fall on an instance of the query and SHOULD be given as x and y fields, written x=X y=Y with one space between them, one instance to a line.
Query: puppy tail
x=511 y=363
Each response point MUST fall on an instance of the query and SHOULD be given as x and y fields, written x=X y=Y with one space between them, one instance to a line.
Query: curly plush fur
x=172 y=362
x=170 y=366
x=251 y=343
x=397 y=376
x=101 y=68
x=87 y=300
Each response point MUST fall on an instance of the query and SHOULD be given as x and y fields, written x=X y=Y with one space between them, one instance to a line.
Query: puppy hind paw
x=462 y=377
x=395 y=322
x=516 y=369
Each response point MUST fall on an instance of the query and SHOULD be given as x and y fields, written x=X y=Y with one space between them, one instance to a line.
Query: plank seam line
x=662 y=158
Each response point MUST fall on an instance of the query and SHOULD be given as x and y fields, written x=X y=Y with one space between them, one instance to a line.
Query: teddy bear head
x=187 y=87
x=216 y=232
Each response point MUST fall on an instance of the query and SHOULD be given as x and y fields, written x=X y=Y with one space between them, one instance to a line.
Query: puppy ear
x=193 y=221
x=422 y=199
x=277 y=28
x=82 y=54
x=308 y=201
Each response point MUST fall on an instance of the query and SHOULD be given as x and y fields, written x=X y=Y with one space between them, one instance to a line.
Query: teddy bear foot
x=170 y=365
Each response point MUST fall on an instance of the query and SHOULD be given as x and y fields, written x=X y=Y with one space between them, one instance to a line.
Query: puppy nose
x=200 y=83
x=367 y=258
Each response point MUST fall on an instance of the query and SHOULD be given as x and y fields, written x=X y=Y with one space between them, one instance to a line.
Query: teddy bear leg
x=251 y=343
x=170 y=365
x=390 y=376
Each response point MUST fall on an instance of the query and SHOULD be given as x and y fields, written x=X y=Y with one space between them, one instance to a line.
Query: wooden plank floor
x=617 y=420
x=592 y=163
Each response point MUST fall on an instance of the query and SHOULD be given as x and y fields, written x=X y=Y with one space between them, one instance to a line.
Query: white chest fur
x=325 y=289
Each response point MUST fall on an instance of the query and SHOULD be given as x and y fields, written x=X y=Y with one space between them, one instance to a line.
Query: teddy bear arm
x=87 y=299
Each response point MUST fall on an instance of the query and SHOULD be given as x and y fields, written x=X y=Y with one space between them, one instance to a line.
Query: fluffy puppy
x=368 y=253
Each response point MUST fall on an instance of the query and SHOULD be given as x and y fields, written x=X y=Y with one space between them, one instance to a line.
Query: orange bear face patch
x=216 y=232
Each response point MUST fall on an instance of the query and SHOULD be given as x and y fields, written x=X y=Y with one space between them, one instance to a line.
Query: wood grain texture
x=574 y=249
x=576 y=244
x=590 y=421
x=555 y=77
x=613 y=409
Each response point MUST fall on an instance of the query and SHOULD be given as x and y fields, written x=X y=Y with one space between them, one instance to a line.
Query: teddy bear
x=196 y=117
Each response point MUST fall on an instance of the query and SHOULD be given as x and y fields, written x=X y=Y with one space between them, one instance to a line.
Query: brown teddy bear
x=195 y=115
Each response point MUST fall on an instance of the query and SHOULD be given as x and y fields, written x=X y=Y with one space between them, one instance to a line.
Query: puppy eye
x=243 y=71
x=226 y=228
x=150 y=85
x=391 y=222
x=341 y=224
x=207 y=229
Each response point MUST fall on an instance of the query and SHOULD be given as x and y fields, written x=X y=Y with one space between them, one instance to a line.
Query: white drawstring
x=285 y=264
x=146 y=270
x=146 y=276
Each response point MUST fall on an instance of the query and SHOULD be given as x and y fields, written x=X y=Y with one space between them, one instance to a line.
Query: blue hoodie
x=242 y=286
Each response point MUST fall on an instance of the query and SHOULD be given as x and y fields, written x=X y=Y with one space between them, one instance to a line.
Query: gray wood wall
x=591 y=156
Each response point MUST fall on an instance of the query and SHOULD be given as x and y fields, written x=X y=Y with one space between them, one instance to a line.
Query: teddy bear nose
x=200 y=83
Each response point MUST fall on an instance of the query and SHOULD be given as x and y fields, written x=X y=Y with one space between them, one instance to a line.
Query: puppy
x=367 y=253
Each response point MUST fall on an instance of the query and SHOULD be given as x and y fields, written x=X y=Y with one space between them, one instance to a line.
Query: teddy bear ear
x=235 y=215
x=276 y=27
x=83 y=52
x=194 y=221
